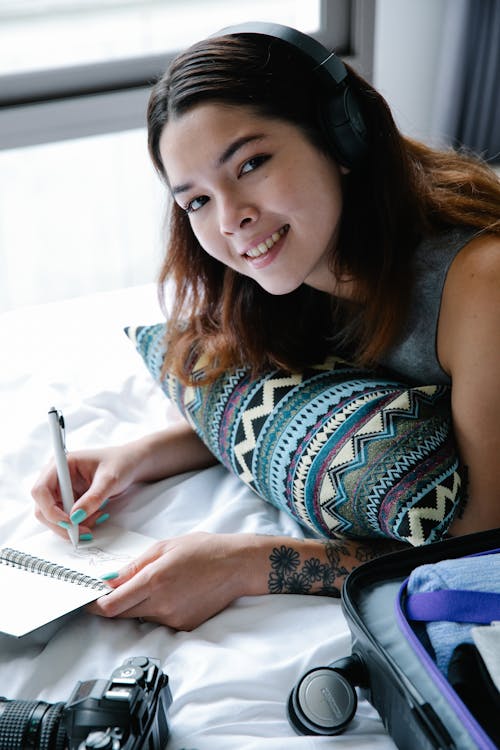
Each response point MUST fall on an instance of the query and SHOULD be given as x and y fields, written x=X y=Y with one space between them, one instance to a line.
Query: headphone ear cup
x=344 y=127
x=339 y=113
x=322 y=703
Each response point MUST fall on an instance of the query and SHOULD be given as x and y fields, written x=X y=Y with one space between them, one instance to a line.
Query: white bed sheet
x=230 y=678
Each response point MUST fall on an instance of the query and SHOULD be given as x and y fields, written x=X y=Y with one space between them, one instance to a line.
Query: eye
x=251 y=164
x=195 y=204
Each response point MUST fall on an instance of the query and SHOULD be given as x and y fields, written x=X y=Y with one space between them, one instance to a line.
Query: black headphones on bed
x=324 y=700
x=339 y=114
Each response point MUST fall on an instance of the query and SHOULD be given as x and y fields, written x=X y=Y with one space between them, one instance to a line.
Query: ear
x=344 y=170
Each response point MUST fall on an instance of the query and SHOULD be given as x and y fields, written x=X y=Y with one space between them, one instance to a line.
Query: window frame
x=76 y=101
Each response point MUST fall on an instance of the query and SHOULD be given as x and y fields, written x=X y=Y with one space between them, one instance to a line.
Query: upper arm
x=469 y=349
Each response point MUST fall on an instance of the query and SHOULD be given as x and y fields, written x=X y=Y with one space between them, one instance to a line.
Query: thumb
x=97 y=495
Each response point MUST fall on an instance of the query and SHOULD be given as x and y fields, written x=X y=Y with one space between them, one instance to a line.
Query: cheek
x=210 y=240
x=327 y=200
x=319 y=210
x=313 y=190
x=202 y=233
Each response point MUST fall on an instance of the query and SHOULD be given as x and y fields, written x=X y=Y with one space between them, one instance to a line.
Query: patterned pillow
x=344 y=450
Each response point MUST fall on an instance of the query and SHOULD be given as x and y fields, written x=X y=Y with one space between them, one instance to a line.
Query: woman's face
x=260 y=197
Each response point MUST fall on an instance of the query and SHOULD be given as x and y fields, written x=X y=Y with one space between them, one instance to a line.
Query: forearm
x=284 y=565
x=172 y=451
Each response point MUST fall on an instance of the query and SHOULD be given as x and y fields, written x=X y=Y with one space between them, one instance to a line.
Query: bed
x=230 y=678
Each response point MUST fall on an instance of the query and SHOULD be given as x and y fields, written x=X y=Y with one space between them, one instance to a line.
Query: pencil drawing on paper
x=96 y=556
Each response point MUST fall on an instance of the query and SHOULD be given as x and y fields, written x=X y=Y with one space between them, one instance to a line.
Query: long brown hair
x=402 y=192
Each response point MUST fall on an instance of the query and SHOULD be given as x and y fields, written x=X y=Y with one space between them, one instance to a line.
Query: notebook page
x=111 y=549
x=30 y=600
x=34 y=599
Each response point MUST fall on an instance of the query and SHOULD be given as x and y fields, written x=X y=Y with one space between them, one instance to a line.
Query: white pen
x=56 y=424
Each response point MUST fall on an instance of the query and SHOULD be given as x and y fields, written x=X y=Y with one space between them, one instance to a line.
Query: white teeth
x=267 y=244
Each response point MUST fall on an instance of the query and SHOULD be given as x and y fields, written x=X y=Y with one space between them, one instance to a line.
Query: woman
x=283 y=245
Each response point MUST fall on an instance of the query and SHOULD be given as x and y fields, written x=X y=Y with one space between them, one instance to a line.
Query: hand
x=96 y=476
x=181 y=582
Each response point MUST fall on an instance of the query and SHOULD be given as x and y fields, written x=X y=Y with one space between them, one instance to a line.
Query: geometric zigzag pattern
x=344 y=450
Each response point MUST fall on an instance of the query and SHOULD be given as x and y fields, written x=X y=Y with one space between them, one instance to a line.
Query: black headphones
x=340 y=115
x=324 y=700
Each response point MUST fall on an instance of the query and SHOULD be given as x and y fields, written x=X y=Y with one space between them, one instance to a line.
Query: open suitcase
x=391 y=663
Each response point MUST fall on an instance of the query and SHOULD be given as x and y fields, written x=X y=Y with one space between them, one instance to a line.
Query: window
x=70 y=68
x=90 y=63
x=78 y=216
x=61 y=33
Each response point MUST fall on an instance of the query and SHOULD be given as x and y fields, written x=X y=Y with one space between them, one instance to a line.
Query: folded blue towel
x=480 y=573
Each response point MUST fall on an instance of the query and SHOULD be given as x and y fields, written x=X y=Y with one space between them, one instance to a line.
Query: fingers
x=129 y=594
x=92 y=482
x=134 y=568
x=88 y=521
x=61 y=527
x=119 y=602
x=137 y=571
x=132 y=586
x=45 y=493
x=86 y=526
x=96 y=496
x=49 y=509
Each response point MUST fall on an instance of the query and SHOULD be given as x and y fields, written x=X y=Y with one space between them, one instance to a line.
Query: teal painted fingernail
x=78 y=516
x=102 y=518
x=64 y=524
x=86 y=537
x=104 y=503
x=109 y=576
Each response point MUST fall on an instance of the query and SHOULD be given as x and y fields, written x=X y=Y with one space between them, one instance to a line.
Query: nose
x=235 y=213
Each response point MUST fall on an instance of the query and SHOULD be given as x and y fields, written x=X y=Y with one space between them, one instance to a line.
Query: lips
x=263 y=247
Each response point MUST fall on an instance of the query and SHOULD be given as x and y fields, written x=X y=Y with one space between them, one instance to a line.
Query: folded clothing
x=478 y=573
x=487 y=640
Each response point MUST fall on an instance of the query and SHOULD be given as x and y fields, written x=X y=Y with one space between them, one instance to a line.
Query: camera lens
x=31 y=725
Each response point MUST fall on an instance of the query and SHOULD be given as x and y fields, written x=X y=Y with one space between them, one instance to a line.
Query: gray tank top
x=414 y=355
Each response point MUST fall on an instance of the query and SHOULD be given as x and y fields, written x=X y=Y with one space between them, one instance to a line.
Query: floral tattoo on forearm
x=290 y=575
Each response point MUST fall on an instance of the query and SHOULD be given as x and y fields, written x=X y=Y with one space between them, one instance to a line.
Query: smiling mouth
x=263 y=247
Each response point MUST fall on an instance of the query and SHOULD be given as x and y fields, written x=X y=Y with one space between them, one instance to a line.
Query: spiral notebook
x=43 y=577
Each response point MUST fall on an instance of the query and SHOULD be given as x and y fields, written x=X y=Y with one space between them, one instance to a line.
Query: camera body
x=128 y=711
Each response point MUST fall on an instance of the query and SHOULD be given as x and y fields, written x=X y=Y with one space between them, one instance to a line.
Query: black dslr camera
x=126 y=712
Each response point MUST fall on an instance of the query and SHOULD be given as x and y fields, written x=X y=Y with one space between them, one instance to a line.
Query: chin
x=278 y=289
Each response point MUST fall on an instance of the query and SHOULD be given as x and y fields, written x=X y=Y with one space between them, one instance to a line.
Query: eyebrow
x=228 y=152
x=235 y=146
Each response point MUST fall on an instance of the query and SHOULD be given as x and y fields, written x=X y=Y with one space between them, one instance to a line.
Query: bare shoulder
x=470 y=305
x=477 y=261
x=469 y=347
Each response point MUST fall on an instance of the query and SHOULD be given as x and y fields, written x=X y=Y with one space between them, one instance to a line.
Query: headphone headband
x=339 y=112
x=324 y=59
